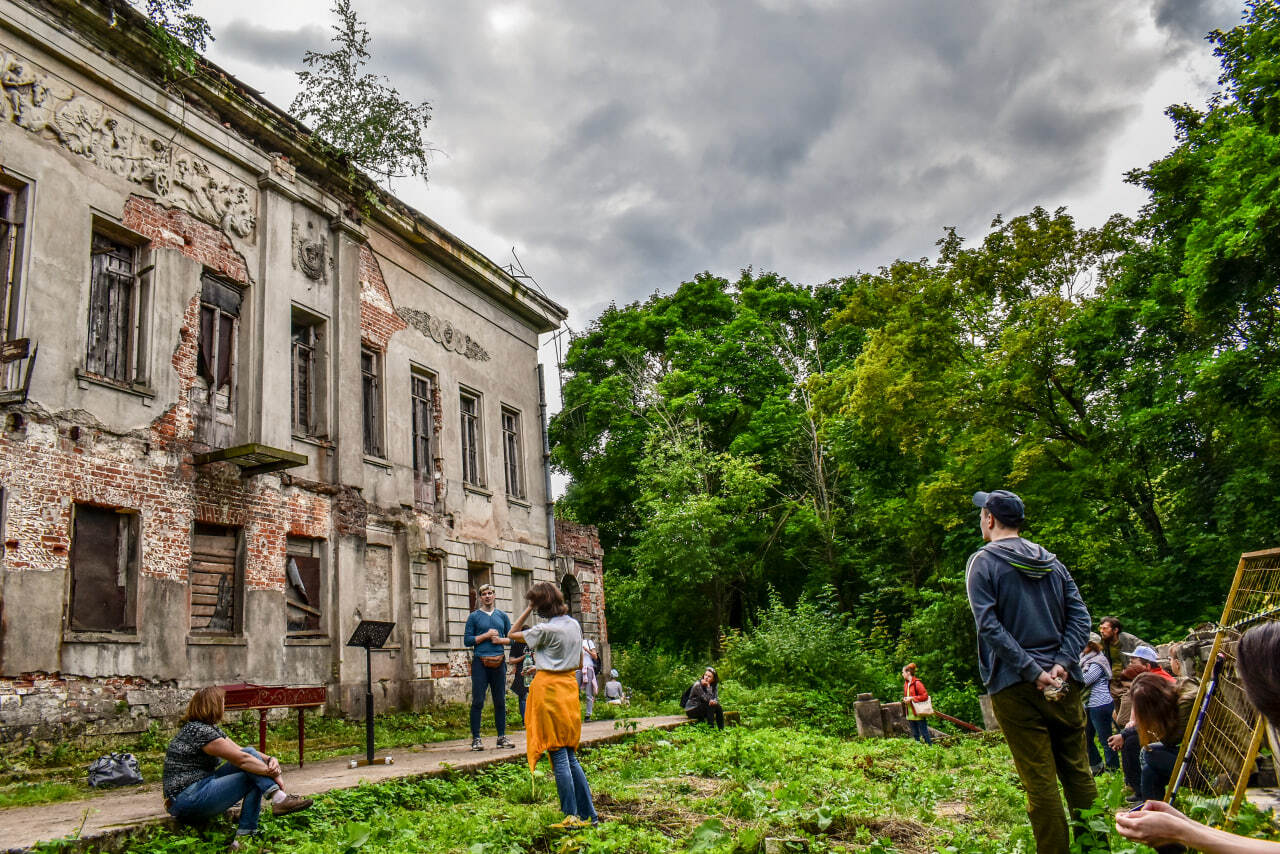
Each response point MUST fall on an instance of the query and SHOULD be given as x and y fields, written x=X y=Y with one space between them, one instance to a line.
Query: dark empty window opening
x=219 y=320
x=371 y=397
x=304 y=594
x=216 y=580
x=423 y=413
x=469 y=404
x=512 y=458
x=116 y=312
x=306 y=375
x=478 y=575
x=104 y=569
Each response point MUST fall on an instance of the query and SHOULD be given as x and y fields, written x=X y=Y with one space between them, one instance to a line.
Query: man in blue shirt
x=1032 y=626
x=487 y=630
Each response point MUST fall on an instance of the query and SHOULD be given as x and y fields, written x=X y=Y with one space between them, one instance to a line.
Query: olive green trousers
x=1047 y=741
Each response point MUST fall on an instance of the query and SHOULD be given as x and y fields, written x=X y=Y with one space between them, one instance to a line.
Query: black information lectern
x=371 y=635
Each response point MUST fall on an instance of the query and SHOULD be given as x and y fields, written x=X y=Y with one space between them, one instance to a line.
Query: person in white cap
x=613 y=689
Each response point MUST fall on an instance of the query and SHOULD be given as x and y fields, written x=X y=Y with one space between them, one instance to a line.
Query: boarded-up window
x=424 y=484
x=521 y=581
x=377 y=576
x=439 y=593
x=215 y=579
x=116 y=312
x=219 y=320
x=303 y=590
x=104 y=563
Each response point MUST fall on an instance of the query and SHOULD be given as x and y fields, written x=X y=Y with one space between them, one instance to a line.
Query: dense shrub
x=811 y=646
x=654 y=675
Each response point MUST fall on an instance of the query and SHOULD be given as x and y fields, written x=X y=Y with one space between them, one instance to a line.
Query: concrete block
x=989 y=721
x=867 y=712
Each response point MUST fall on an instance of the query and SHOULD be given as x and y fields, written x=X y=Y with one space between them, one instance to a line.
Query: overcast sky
x=622 y=148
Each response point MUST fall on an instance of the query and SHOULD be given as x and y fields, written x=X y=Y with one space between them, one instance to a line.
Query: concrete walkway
x=125 y=809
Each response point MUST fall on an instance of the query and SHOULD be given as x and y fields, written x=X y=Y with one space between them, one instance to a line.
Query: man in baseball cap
x=1032 y=626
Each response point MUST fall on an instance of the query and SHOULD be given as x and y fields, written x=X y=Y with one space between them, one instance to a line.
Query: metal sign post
x=371 y=635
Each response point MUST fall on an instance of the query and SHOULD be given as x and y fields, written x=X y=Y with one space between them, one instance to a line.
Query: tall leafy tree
x=358 y=113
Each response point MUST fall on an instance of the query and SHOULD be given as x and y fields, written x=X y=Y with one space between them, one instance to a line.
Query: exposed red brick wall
x=378 y=318
x=581 y=545
x=171 y=228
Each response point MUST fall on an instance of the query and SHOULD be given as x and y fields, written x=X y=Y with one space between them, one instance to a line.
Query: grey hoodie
x=1028 y=612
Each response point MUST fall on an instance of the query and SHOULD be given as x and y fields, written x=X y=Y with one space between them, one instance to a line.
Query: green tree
x=358 y=113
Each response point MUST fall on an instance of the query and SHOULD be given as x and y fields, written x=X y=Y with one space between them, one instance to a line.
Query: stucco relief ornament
x=308 y=255
x=45 y=105
x=444 y=333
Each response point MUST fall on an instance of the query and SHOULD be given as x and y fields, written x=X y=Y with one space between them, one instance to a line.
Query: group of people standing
x=1056 y=686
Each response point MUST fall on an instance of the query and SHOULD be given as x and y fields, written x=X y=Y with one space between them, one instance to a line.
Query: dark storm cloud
x=1193 y=19
x=270 y=48
x=626 y=147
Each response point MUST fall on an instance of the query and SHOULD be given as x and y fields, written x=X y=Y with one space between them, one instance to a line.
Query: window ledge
x=378 y=462
x=85 y=379
x=306 y=640
x=72 y=636
x=519 y=502
x=477 y=490
x=313 y=440
x=216 y=640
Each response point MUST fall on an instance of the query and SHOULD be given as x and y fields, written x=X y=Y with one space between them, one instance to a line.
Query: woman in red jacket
x=913 y=691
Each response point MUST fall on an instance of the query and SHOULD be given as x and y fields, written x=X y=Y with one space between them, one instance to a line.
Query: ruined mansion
x=247 y=400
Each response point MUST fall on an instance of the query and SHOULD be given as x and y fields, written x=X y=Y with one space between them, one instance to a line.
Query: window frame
x=125 y=366
x=128 y=560
x=513 y=474
x=13 y=235
x=424 y=443
x=312 y=548
x=471 y=437
x=312 y=424
x=237 y=582
x=372 y=402
x=211 y=301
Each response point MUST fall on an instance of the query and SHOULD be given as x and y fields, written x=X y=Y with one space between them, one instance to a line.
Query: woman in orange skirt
x=553 y=716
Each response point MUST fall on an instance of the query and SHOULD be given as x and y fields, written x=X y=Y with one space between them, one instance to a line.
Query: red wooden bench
x=263 y=698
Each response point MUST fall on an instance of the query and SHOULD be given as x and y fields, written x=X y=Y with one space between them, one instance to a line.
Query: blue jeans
x=493 y=679
x=571 y=783
x=1098 y=729
x=213 y=795
x=1157 y=768
x=920 y=730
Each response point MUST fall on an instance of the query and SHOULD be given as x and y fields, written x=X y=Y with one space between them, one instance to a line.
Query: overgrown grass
x=47 y=772
x=688 y=790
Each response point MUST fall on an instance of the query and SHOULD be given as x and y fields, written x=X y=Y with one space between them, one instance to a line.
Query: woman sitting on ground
x=913 y=691
x=704 y=700
x=1158 y=824
x=553 y=715
x=197 y=787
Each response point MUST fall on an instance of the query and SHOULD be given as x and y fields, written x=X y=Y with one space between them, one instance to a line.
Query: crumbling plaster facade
x=211 y=194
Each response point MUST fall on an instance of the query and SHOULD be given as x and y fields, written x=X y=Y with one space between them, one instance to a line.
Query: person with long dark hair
x=553 y=718
x=1157 y=823
x=1160 y=729
x=703 y=702
x=205 y=772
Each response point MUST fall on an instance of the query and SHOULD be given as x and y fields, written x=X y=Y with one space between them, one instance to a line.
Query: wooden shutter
x=213 y=583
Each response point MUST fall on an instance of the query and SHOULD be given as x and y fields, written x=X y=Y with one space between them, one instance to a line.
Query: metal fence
x=1233 y=730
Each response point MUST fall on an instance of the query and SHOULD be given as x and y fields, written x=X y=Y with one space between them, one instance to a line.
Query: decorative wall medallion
x=310 y=255
x=444 y=333
x=47 y=106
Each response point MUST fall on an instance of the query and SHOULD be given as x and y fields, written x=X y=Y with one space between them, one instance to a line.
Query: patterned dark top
x=185 y=762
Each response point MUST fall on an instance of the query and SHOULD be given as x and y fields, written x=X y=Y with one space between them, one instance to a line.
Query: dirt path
x=112 y=812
